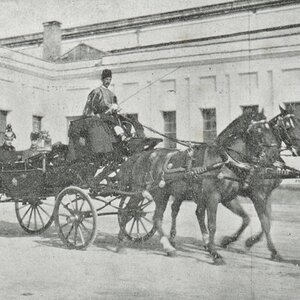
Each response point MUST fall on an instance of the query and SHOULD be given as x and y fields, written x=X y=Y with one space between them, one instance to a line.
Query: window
x=36 y=123
x=209 y=125
x=170 y=128
x=250 y=108
x=3 y=121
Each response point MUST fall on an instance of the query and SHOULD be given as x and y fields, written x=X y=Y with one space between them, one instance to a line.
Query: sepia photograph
x=150 y=149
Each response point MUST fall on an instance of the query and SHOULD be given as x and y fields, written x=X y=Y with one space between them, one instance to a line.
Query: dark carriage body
x=35 y=172
x=31 y=177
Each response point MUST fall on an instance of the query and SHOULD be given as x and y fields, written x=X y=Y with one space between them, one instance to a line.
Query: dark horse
x=285 y=128
x=165 y=172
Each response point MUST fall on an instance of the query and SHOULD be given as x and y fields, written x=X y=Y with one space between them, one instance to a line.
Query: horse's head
x=286 y=127
x=238 y=128
x=260 y=141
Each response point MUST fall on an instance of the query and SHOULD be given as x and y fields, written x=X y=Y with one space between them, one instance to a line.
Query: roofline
x=149 y=20
x=244 y=35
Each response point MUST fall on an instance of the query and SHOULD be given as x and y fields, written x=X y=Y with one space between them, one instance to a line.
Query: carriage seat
x=9 y=159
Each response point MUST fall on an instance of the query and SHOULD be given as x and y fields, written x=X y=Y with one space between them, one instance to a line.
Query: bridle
x=283 y=125
x=259 y=126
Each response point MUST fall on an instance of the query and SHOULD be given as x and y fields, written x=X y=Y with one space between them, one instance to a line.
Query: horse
x=285 y=128
x=164 y=172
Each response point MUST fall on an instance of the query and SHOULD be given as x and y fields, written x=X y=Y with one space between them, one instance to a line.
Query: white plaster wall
x=23 y=97
x=224 y=75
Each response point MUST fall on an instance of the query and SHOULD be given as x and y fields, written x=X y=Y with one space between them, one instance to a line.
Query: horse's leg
x=263 y=208
x=252 y=240
x=237 y=209
x=124 y=219
x=161 y=201
x=200 y=213
x=175 y=209
x=212 y=205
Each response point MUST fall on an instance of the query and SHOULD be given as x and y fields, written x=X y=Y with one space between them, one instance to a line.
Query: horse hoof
x=226 y=241
x=218 y=261
x=276 y=257
x=249 y=243
x=172 y=253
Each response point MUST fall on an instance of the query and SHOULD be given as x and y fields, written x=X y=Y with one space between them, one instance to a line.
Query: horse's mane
x=235 y=129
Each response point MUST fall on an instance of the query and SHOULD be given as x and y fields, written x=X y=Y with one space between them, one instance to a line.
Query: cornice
x=151 y=20
x=284 y=41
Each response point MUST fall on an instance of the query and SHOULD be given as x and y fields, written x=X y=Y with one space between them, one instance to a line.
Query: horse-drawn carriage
x=59 y=182
x=83 y=182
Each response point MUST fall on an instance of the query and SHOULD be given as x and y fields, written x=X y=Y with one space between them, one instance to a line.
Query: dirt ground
x=40 y=267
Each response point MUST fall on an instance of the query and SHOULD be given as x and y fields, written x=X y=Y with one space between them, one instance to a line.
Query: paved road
x=39 y=267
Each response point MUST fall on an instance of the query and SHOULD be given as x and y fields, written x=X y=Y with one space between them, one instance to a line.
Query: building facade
x=186 y=73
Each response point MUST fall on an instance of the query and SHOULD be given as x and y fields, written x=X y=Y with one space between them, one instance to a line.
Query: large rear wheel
x=135 y=218
x=35 y=215
x=75 y=218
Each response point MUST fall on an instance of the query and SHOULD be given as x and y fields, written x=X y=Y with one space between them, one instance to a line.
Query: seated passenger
x=9 y=136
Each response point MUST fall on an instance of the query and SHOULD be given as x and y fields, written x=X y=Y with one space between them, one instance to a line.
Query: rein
x=187 y=144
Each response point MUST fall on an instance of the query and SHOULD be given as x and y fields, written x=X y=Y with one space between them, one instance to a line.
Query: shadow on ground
x=186 y=246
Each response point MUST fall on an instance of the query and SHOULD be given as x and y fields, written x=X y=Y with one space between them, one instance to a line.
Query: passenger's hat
x=106 y=73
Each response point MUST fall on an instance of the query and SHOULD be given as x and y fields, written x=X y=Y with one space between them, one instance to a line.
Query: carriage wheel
x=135 y=218
x=35 y=215
x=75 y=218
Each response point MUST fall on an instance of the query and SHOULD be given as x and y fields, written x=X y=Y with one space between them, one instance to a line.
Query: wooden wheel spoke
x=43 y=224
x=137 y=228
x=149 y=212
x=75 y=234
x=70 y=202
x=24 y=206
x=25 y=213
x=130 y=232
x=45 y=211
x=34 y=215
x=67 y=236
x=142 y=206
x=67 y=208
x=84 y=227
x=149 y=221
x=81 y=235
x=66 y=224
x=144 y=226
x=76 y=200
x=46 y=204
x=81 y=206
x=127 y=219
x=63 y=215
x=30 y=215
